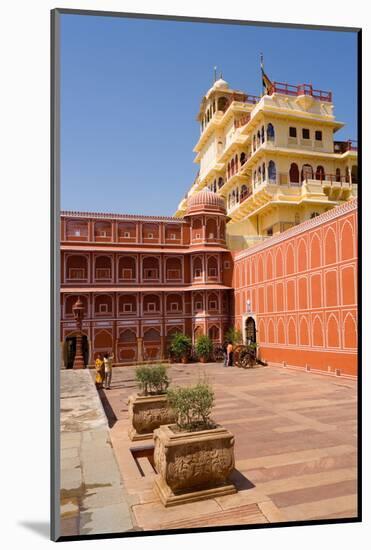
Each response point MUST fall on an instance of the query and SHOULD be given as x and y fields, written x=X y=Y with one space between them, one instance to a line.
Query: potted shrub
x=193 y=457
x=204 y=348
x=149 y=408
x=233 y=335
x=180 y=346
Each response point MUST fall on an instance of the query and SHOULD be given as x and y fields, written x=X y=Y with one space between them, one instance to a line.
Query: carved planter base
x=193 y=466
x=146 y=413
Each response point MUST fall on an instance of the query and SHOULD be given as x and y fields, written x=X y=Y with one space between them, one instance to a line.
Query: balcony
x=300 y=90
x=342 y=147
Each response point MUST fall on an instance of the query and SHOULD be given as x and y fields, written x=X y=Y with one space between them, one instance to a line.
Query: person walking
x=99 y=371
x=230 y=354
x=108 y=358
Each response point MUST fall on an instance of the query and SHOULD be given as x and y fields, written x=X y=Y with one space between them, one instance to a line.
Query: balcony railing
x=300 y=89
x=344 y=146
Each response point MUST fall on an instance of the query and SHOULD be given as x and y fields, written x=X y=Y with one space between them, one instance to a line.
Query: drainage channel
x=143 y=457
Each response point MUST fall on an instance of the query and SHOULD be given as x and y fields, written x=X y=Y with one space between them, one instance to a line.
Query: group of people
x=228 y=354
x=103 y=370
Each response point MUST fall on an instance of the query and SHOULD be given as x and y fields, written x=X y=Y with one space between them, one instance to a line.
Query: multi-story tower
x=273 y=158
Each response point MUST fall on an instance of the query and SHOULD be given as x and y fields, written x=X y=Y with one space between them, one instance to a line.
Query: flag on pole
x=266 y=82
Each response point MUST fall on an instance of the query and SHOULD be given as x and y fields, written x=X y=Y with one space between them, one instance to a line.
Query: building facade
x=273 y=158
x=296 y=293
x=264 y=240
x=141 y=279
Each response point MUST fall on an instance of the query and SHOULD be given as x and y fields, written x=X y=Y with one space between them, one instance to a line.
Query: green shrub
x=204 y=346
x=233 y=335
x=152 y=380
x=193 y=406
x=180 y=345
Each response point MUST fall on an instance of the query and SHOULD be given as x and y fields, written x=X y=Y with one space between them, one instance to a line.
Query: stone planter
x=193 y=466
x=146 y=413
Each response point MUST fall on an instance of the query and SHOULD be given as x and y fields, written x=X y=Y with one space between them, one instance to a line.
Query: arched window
x=347 y=174
x=243 y=192
x=258 y=137
x=306 y=172
x=263 y=171
x=242 y=159
x=320 y=173
x=354 y=174
x=197 y=268
x=338 y=174
x=232 y=167
x=228 y=171
x=263 y=136
x=271 y=171
x=314 y=215
x=270 y=132
x=294 y=173
x=254 y=143
x=260 y=174
x=220 y=183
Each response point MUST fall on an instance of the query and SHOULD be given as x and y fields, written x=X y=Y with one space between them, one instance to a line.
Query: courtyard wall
x=300 y=288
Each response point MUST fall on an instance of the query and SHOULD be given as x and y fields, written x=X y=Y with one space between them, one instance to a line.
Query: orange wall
x=303 y=294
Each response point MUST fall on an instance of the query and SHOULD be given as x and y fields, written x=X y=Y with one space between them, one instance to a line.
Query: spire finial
x=221 y=75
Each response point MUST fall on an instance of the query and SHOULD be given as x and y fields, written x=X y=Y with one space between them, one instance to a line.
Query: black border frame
x=54 y=250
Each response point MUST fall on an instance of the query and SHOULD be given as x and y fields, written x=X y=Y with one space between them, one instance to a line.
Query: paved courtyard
x=295 y=447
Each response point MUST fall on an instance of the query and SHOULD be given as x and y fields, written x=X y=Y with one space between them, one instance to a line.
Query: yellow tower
x=273 y=158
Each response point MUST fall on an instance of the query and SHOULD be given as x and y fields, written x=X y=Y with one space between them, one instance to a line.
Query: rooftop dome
x=219 y=84
x=207 y=201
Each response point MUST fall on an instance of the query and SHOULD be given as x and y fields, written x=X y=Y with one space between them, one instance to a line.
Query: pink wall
x=302 y=286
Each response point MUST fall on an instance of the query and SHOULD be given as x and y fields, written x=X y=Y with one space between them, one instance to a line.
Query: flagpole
x=262 y=70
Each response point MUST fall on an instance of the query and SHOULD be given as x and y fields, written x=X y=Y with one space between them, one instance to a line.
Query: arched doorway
x=250 y=331
x=69 y=350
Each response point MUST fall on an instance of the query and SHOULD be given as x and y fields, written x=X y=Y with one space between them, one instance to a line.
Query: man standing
x=108 y=358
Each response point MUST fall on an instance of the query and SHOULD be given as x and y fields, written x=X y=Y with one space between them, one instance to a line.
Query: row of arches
x=312 y=332
x=238 y=195
x=260 y=173
x=216 y=185
x=307 y=172
x=219 y=104
x=106 y=304
x=234 y=165
x=209 y=228
x=326 y=246
x=124 y=268
x=126 y=231
x=259 y=137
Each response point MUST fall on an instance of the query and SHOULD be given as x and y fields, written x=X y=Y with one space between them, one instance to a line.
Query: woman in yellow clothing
x=99 y=371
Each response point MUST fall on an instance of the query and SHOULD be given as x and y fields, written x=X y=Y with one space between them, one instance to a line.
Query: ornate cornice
x=124 y=217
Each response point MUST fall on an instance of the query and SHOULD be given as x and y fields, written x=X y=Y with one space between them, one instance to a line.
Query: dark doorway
x=70 y=350
x=250 y=331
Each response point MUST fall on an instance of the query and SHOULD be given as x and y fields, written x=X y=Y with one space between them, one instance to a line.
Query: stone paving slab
x=93 y=498
x=293 y=461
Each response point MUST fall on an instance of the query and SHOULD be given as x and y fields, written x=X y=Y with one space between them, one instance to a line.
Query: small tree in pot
x=195 y=456
x=180 y=346
x=204 y=347
x=149 y=408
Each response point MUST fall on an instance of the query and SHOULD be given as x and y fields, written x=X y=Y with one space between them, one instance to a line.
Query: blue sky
x=131 y=89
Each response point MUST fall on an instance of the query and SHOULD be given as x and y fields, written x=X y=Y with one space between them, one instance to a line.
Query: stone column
x=139 y=349
x=163 y=345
